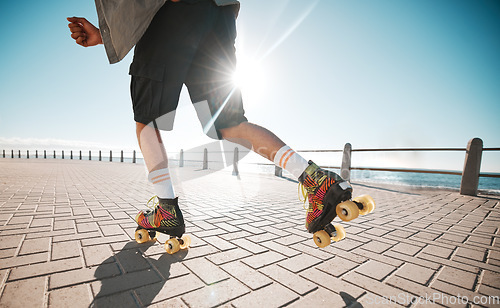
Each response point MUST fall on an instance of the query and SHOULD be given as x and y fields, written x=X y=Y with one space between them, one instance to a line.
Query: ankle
x=308 y=173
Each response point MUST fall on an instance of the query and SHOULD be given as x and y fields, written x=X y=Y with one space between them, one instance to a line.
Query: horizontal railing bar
x=388 y=150
x=489 y=175
x=399 y=150
x=409 y=150
x=318 y=151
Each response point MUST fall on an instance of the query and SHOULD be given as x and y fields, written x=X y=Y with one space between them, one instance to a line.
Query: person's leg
x=263 y=141
x=166 y=216
x=266 y=144
x=156 y=160
x=209 y=82
x=161 y=60
x=324 y=189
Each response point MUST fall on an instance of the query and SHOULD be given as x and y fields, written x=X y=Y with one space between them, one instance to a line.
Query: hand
x=83 y=32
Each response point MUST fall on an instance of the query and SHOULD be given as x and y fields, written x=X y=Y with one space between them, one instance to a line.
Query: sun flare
x=249 y=75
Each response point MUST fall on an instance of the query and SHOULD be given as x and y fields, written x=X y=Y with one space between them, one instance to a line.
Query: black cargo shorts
x=192 y=44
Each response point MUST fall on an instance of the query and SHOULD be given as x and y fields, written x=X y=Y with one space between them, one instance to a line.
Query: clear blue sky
x=385 y=73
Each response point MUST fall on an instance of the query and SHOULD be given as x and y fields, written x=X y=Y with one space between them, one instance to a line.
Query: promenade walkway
x=66 y=240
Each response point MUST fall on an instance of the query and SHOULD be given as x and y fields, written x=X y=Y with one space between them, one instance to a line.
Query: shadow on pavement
x=145 y=274
x=350 y=301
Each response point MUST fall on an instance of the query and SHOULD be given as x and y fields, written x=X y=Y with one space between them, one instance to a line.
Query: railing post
x=90 y=155
x=345 y=169
x=235 y=162
x=133 y=157
x=44 y=154
x=27 y=154
x=100 y=156
x=205 y=159
x=110 y=155
x=181 y=158
x=121 y=157
x=472 y=167
x=278 y=171
x=11 y=153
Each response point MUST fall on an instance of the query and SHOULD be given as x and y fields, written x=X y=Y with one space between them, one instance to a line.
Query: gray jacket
x=123 y=22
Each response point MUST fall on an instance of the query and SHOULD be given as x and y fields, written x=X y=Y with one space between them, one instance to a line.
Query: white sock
x=162 y=184
x=289 y=160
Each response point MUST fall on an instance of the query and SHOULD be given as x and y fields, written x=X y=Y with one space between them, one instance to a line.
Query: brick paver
x=67 y=239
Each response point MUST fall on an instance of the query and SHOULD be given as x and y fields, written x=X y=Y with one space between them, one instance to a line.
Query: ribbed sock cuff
x=162 y=183
x=289 y=160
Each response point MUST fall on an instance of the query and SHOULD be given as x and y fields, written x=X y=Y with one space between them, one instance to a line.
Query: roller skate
x=329 y=196
x=164 y=216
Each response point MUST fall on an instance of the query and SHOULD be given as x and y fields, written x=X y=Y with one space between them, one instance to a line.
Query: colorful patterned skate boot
x=164 y=216
x=329 y=196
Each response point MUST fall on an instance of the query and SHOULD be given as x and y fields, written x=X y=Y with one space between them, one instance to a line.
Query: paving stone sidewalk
x=67 y=229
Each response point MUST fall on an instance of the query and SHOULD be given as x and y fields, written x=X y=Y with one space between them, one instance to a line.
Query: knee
x=226 y=133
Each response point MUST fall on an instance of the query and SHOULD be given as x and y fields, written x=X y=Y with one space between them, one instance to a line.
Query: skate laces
x=302 y=191
x=155 y=201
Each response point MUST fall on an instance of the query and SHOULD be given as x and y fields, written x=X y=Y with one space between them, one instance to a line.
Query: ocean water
x=427 y=180
x=487 y=185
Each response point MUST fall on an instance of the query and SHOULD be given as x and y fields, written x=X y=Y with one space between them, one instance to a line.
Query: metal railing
x=492 y=175
x=470 y=174
x=64 y=155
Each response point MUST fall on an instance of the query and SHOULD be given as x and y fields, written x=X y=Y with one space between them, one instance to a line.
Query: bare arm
x=83 y=32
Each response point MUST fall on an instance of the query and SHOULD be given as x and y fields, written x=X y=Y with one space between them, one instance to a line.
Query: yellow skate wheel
x=370 y=200
x=347 y=210
x=321 y=238
x=141 y=236
x=368 y=204
x=172 y=246
x=371 y=207
x=339 y=233
x=186 y=241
